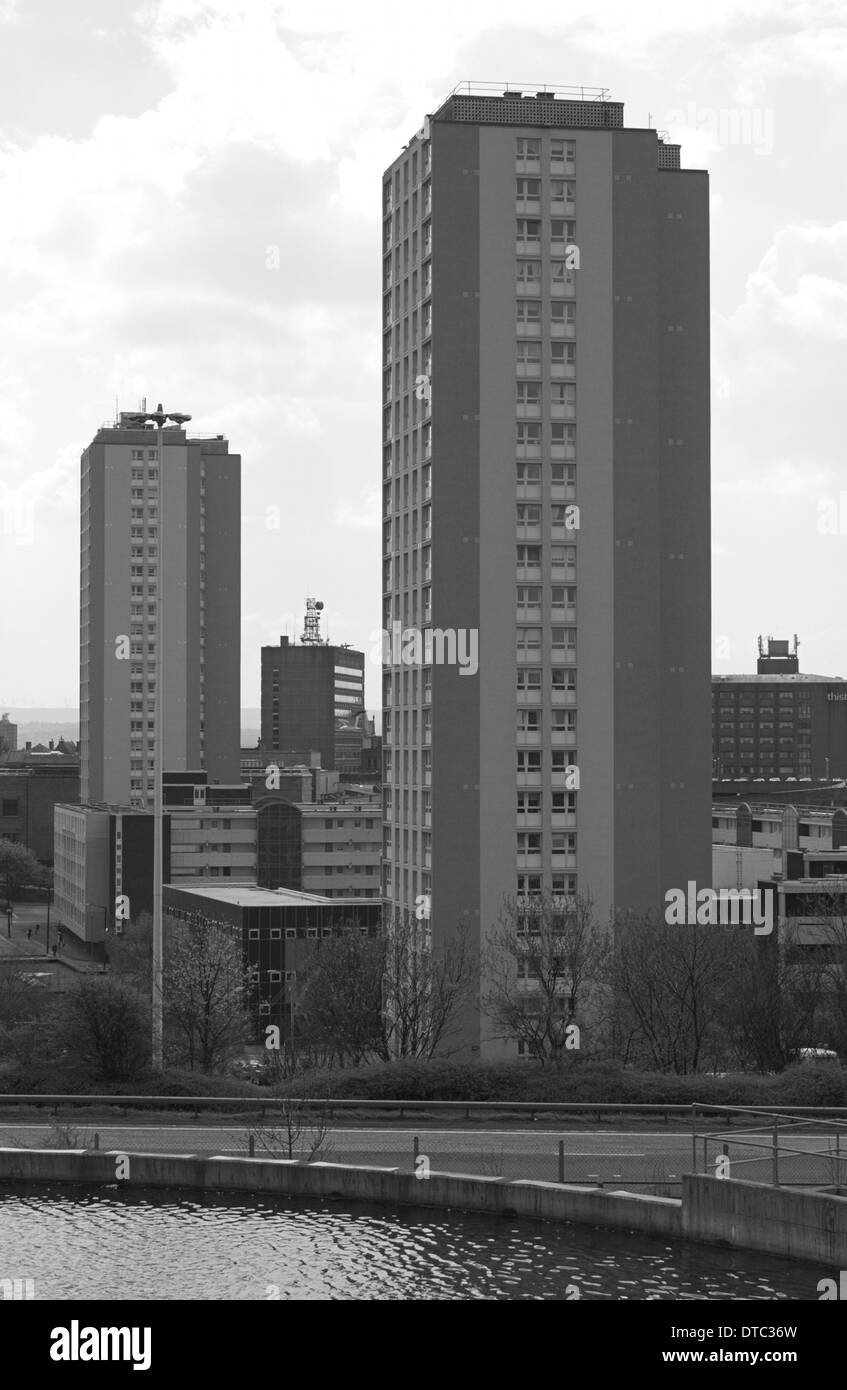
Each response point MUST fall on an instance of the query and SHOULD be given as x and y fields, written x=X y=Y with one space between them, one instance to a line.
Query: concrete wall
x=782 y=1221
x=658 y=1216
x=750 y=1216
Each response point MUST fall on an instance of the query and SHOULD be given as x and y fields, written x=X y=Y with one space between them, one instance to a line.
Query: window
x=529 y=436
x=275 y=934
x=529 y=555
x=563 y=150
x=529 y=474
x=528 y=272
x=253 y=934
x=528 y=148
x=528 y=188
x=529 y=641
x=529 y=843
x=9 y=807
x=562 y=190
x=529 y=395
x=528 y=514
x=529 y=354
x=563 y=678
x=562 y=229
x=529 y=760
x=528 y=233
x=530 y=679
x=528 y=311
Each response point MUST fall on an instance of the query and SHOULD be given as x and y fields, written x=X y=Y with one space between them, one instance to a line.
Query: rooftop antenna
x=312 y=627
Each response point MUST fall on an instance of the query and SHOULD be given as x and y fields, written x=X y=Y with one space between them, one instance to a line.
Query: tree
x=773 y=1001
x=386 y=996
x=542 y=962
x=340 y=999
x=104 y=1024
x=669 y=986
x=297 y=1127
x=424 y=987
x=22 y=1008
x=205 y=992
x=19 y=866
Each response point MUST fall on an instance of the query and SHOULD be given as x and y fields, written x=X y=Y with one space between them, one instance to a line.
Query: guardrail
x=821 y=1166
x=488 y=1138
x=522 y=1108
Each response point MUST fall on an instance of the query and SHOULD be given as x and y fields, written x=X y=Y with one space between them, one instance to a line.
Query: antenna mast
x=312 y=625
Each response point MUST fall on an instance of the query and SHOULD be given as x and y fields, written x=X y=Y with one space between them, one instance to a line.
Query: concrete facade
x=594 y=638
x=185 y=538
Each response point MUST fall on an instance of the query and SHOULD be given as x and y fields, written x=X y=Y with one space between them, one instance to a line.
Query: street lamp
x=158 y=417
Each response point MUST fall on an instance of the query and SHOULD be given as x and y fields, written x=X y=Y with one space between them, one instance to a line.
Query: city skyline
x=287 y=359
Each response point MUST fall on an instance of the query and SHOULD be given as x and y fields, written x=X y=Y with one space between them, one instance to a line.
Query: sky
x=190 y=210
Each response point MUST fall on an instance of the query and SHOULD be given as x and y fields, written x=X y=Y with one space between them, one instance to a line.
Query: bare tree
x=424 y=987
x=103 y=1022
x=339 y=1007
x=542 y=962
x=300 y=1129
x=23 y=1004
x=773 y=1001
x=205 y=996
x=670 y=982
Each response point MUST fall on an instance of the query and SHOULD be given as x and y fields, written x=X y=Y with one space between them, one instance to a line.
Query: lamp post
x=159 y=418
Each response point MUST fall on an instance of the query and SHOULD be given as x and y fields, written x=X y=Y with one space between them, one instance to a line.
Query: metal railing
x=509 y=1139
x=762 y=1152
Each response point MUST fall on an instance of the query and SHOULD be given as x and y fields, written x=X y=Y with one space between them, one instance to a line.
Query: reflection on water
x=154 y=1245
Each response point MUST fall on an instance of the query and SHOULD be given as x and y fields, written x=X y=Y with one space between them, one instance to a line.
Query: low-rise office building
x=279 y=928
x=29 y=794
x=779 y=722
x=332 y=848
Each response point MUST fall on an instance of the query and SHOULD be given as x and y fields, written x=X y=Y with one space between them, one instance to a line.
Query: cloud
x=364 y=516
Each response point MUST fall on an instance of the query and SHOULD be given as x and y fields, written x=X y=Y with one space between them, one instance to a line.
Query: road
x=640 y=1159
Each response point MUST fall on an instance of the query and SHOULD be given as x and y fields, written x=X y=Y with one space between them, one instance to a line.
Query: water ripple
x=150 y=1245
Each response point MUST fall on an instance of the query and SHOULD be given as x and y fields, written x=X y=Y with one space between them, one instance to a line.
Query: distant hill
x=40 y=725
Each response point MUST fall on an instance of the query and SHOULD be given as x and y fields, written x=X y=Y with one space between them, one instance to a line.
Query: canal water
x=148 y=1244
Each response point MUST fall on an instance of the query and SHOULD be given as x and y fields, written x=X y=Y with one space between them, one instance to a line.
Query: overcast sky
x=151 y=154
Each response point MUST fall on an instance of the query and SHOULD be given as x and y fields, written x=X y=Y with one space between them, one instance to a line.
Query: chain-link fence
x=757 y=1147
x=645 y=1162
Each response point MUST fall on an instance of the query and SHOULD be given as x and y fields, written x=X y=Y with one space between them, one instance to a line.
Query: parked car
x=817 y=1054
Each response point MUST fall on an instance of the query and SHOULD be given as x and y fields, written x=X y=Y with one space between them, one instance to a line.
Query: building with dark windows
x=779 y=723
x=309 y=690
x=29 y=794
x=545 y=437
x=279 y=929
